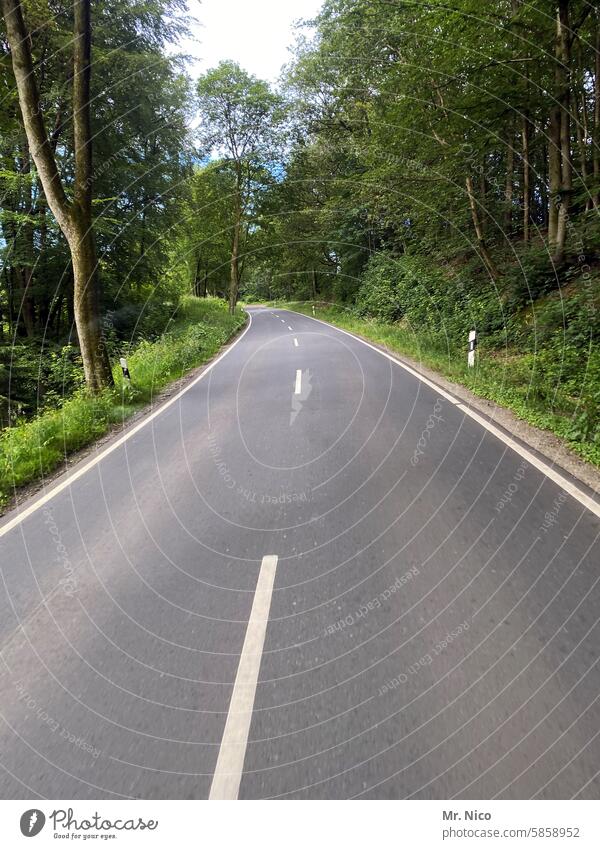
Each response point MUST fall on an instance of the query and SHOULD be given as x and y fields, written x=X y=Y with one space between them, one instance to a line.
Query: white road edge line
x=64 y=484
x=295 y=342
x=298 y=386
x=232 y=752
x=540 y=465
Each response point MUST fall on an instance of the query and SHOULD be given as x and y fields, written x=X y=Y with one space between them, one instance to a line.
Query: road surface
x=311 y=575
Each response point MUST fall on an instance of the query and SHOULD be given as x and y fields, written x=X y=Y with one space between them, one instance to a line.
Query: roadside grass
x=508 y=378
x=32 y=449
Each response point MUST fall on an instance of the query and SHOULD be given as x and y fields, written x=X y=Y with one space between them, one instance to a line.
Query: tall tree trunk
x=15 y=260
x=86 y=282
x=483 y=250
x=8 y=278
x=86 y=302
x=509 y=188
x=196 y=283
x=483 y=215
x=54 y=315
x=526 y=178
x=596 y=133
x=563 y=93
x=70 y=311
x=581 y=131
x=554 y=175
x=25 y=239
x=234 y=278
x=582 y=125
x=24 y=276
x=544 y=202
x=74 y=219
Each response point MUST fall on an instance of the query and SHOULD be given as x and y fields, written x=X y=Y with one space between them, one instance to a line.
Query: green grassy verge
x=34 y=448
x=508 y=378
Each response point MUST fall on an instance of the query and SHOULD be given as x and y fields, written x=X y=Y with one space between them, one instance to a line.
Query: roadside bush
x=530 y=278
x=139 y=321
x=33 y=448
x=430 y=299
x=379 y=295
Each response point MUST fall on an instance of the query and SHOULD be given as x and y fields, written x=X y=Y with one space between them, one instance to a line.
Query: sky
x=254 y=33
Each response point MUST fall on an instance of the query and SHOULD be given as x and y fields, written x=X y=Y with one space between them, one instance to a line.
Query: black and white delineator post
x=472 y=346
x=125 y=368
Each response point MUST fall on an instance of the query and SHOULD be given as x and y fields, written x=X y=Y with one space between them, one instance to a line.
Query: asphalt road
x=425 y=623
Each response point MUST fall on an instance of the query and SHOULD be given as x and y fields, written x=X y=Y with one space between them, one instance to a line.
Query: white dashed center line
x=298 y=387
x=230 y=763
x=295 y=342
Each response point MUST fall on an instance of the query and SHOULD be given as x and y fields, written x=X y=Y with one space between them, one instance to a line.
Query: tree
x=204 y=231
x=241 y=120
x=74 y=216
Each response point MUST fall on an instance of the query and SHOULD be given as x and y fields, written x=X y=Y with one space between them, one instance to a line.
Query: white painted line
x=67 y=481
x=290 y=328
x=230 y=763
x=298 y=387
x=540 y=465
x=275 y=314
x=283 y=320
x=295 y=342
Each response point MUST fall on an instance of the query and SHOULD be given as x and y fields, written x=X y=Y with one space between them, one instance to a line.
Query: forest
x=421 y=169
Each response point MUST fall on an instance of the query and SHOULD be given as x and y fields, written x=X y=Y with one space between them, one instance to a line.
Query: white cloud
x=255 y=33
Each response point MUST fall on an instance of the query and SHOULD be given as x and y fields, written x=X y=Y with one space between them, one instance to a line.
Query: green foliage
x=64 y=375
x=34 y=448
x=429 y=299
x=530 y=277
x=202 y=240
x=240 y=113
x=141 y=106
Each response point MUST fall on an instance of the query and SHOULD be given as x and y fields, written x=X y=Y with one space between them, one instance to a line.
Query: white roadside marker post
x=313 y=306
x=472 y=346
x=125 y=369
